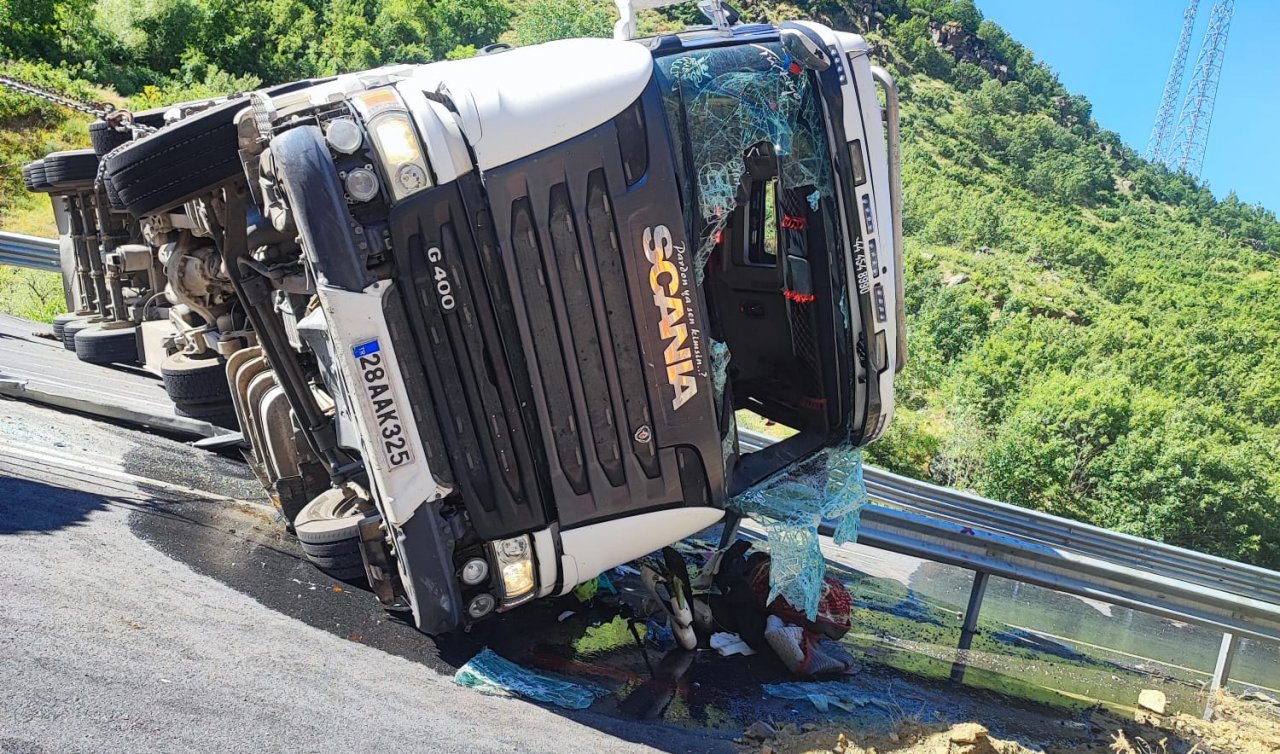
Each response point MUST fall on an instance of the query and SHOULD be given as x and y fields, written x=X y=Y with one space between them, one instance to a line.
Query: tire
x=70 y=329
x=330 y=518
x=113 y=196
x=77 y=168
x=221 y=414
x=33 y=176
x=105 y=138
x=191 y=381
x=328 y=528
x=99 y=345
x=60 y=322
x=178 y=162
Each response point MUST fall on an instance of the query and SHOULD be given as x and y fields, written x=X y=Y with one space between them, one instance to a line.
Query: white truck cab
x=496 y=317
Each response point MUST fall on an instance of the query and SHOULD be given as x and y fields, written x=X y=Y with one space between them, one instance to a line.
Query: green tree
x=545 y=20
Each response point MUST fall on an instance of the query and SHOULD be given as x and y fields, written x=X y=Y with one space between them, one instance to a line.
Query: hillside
x=1090 y=334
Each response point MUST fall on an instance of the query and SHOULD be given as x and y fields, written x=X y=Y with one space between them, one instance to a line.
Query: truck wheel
x=191 y=381
x=98 y=344
x=33 y=177
x=70 y=329
x=221 y=414
x=105 y=138
x=328 y=528
x=61 y=321
x=178 y=162
x=113 y=196
x=77 y=168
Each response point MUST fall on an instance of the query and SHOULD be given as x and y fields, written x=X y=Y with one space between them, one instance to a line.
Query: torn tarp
x=493 y=674
x=827 y=486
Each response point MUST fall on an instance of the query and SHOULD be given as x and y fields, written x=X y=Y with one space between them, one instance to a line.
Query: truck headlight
x=515 y=565
x=399 y=153
x=395 y=142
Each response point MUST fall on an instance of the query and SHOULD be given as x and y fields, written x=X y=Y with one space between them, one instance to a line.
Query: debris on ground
x=824 y=695
x=909 y=737
x=491 y=673
x=1238 y=727
x=759 y=731
x=728 y=644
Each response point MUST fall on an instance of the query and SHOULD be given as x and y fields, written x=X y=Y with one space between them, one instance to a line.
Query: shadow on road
x=28 y=506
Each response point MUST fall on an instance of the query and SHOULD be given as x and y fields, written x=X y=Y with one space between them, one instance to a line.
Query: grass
x=32 y=294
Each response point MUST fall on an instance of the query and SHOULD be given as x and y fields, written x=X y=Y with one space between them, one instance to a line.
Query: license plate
x=387 y=427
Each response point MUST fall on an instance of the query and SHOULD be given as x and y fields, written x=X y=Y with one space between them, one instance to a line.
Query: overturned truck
x=487 y=325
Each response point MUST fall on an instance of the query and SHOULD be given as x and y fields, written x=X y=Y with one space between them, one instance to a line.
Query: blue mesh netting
x=791 y=504
x=719 y=376
x=493 y=674
x=825 y=694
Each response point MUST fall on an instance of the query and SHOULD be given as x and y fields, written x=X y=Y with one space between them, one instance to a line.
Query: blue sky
x=1117 y=53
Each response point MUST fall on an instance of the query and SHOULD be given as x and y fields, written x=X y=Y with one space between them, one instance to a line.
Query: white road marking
x=55 y=458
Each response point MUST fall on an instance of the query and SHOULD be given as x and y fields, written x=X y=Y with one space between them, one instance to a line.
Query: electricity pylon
x=1162 y=131
x=1192 y=135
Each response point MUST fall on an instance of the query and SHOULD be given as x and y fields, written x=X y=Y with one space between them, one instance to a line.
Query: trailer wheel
x=77 y=168
x=106 y=138
x=70 y=329
x=33 y=177
x=61 y=321
x=328 y=528
x=98 y=344
x=178 y=162
x=191 y=381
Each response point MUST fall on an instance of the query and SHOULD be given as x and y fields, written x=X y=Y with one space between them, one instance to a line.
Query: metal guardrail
x=993 y=538
x=32 y=252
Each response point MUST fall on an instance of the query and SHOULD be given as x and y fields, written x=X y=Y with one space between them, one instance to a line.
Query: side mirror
x=722 y=14
x=805 y=51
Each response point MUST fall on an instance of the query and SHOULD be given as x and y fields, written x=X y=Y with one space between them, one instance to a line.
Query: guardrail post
x=1221 y=671
x=970 y=626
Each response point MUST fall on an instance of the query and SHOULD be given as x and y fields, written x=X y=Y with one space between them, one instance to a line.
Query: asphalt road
x=149 y=601
x=109 y=644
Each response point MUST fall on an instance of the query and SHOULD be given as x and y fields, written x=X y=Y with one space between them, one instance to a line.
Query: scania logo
x=664 y=280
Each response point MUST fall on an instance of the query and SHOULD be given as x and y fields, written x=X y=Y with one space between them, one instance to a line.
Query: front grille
x=545 y=403
x=461 y=355
x=571 y=219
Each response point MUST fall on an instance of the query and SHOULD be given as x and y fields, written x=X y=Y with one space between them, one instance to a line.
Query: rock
x=967 y=733
x=1146 y=717
x=766 y=749
x=759 y=731
x=958 y=279
x=809 y=727
x=1153 y=700
x=1258 y=696
x=842 y=745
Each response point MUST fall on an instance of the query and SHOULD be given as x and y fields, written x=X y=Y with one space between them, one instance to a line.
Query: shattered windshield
x=756 y=174
x=725 y=102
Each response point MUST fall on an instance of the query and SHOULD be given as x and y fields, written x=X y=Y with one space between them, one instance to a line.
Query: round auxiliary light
x=514 y=548
x=343 y=135
x=411 y=177
x=480 y=606
x=475 y=571
x=362 y=184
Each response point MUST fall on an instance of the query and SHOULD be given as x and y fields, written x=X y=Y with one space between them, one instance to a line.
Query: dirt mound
x=1239 y=727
